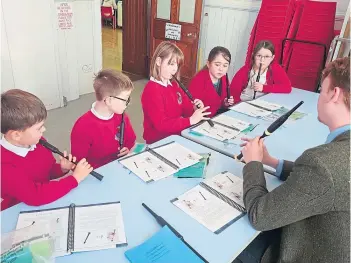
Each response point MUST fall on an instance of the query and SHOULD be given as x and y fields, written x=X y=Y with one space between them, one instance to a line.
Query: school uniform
x=96 y=137
x=274 y=80
x=26 y=175
x=167 y=110
x=211 y=94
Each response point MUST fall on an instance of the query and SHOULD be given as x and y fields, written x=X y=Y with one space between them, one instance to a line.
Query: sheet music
x=265 y=104
x=206 y=208
x=229 y=185
x=217 y=132
x=250 y=110
x=296 y=115
x=232 y=122
x=98 y=227
x=56 y=219
x=178 y=154
x=147 y=166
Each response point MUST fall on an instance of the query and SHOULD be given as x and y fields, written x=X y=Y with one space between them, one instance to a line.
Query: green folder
x=197 y=170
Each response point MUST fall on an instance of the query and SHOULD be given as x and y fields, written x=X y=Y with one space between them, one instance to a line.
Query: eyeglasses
x=127 y=101
x=264 y=57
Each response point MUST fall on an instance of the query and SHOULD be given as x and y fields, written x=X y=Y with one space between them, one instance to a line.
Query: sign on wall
x=173 y=31
x=64 y=15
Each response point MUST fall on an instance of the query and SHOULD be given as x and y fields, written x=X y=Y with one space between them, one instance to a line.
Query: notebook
x=79 y=228
x=215 y=203
x=156 y=163
x=225 y=128
x=163 y=247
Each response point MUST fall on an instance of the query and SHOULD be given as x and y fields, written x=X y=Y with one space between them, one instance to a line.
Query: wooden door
x=187 y=14
x=135 y=59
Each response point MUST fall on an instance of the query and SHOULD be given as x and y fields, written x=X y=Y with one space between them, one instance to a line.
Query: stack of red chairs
x=307 y=61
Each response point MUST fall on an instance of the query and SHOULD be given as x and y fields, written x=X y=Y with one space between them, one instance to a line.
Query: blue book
x=163 y=247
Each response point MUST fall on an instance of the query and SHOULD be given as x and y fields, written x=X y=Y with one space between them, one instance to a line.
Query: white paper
x=217 y=132
x=250 y=110
x=147 y=166
x=178 y=155
x=98 y=227
x=57 y=219
x=206 y=208
x=229 y=185
x=265 y=104
x=232 y=122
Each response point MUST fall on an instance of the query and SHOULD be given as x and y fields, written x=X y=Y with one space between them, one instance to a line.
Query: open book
x=225 y=128
x=159 y=162
x=79 y=228
x=216 y=203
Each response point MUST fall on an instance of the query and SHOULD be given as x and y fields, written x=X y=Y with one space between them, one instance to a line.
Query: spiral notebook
x=156 y=163
x=79 y=228
x=216 y=203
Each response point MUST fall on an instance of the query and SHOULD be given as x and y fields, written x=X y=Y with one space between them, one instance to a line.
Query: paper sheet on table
x=217 y=132
x=232 y=122
x=265 y=104
x=250 y=110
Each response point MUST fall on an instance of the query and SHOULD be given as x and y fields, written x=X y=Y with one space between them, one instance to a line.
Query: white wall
x=45 y=60
x=227 y=23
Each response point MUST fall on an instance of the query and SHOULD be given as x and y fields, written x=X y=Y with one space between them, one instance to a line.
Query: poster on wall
x=64 y=15
x=173 y=31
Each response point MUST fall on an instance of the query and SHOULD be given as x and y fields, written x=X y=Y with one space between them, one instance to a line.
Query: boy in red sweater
x=96 y=134
x=27 y=168
x=167 y=109
x=273 y=78
x=210 y=84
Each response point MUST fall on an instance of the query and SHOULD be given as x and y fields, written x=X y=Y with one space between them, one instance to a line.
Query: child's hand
x=198 y=104
x=229 y=102
x=67 y=165
x=123 y=152
x=199 y=115
x=82 y=170
x=258 y=86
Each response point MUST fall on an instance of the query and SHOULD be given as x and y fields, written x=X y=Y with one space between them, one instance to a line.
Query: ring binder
x=70 y=234
x=162 y=158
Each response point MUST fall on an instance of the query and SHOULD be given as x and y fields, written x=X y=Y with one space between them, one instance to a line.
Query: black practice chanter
x=275 y=125
x=258 y=79
x=57 y=151
x=228 y=88
x=181 y=85
x=121 y=129
x=163 y=223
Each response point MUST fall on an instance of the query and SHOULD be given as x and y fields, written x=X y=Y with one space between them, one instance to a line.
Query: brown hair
x=20 y=110
x=339 y=73
x=109 y=82
x=262 y=44
x=163 y=51
x=218 y=51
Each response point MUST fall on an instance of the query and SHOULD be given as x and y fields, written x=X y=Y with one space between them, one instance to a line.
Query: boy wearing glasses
x=95 y=135
x=273 y=78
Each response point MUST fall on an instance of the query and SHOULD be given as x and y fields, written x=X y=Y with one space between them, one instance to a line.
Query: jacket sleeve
x=282 y=82
x=153 y=106
x=129 y=136
x=35 y=193
x=237 y=84
x=308 y=191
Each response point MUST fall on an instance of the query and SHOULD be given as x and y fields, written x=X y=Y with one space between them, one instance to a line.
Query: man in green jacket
x=311 y=208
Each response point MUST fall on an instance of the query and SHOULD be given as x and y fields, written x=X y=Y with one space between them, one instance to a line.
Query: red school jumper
x=201 y=87
x=97 y=140
x=277 y=81
x=167 y=110
x=27 y=179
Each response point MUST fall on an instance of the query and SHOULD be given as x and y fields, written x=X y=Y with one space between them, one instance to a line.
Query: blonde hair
x=163 y=51
x=109 y=82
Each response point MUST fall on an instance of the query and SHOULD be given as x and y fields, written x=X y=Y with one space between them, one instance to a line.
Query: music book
x=79 y=228
x=225 y=128
x=251 y=110
x=197 y=170
x=156 y=163
x=216 y=203
x=163 y=247
x=264 y=104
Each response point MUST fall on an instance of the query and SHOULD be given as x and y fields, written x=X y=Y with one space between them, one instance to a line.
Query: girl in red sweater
x=210 y=84
x=273 y=78
x=167 y=109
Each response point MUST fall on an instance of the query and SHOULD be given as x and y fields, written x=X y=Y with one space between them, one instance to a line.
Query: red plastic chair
x=107 y=13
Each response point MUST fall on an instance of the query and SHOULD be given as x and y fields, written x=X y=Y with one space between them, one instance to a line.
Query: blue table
x=286 y=143
x=120 y=185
